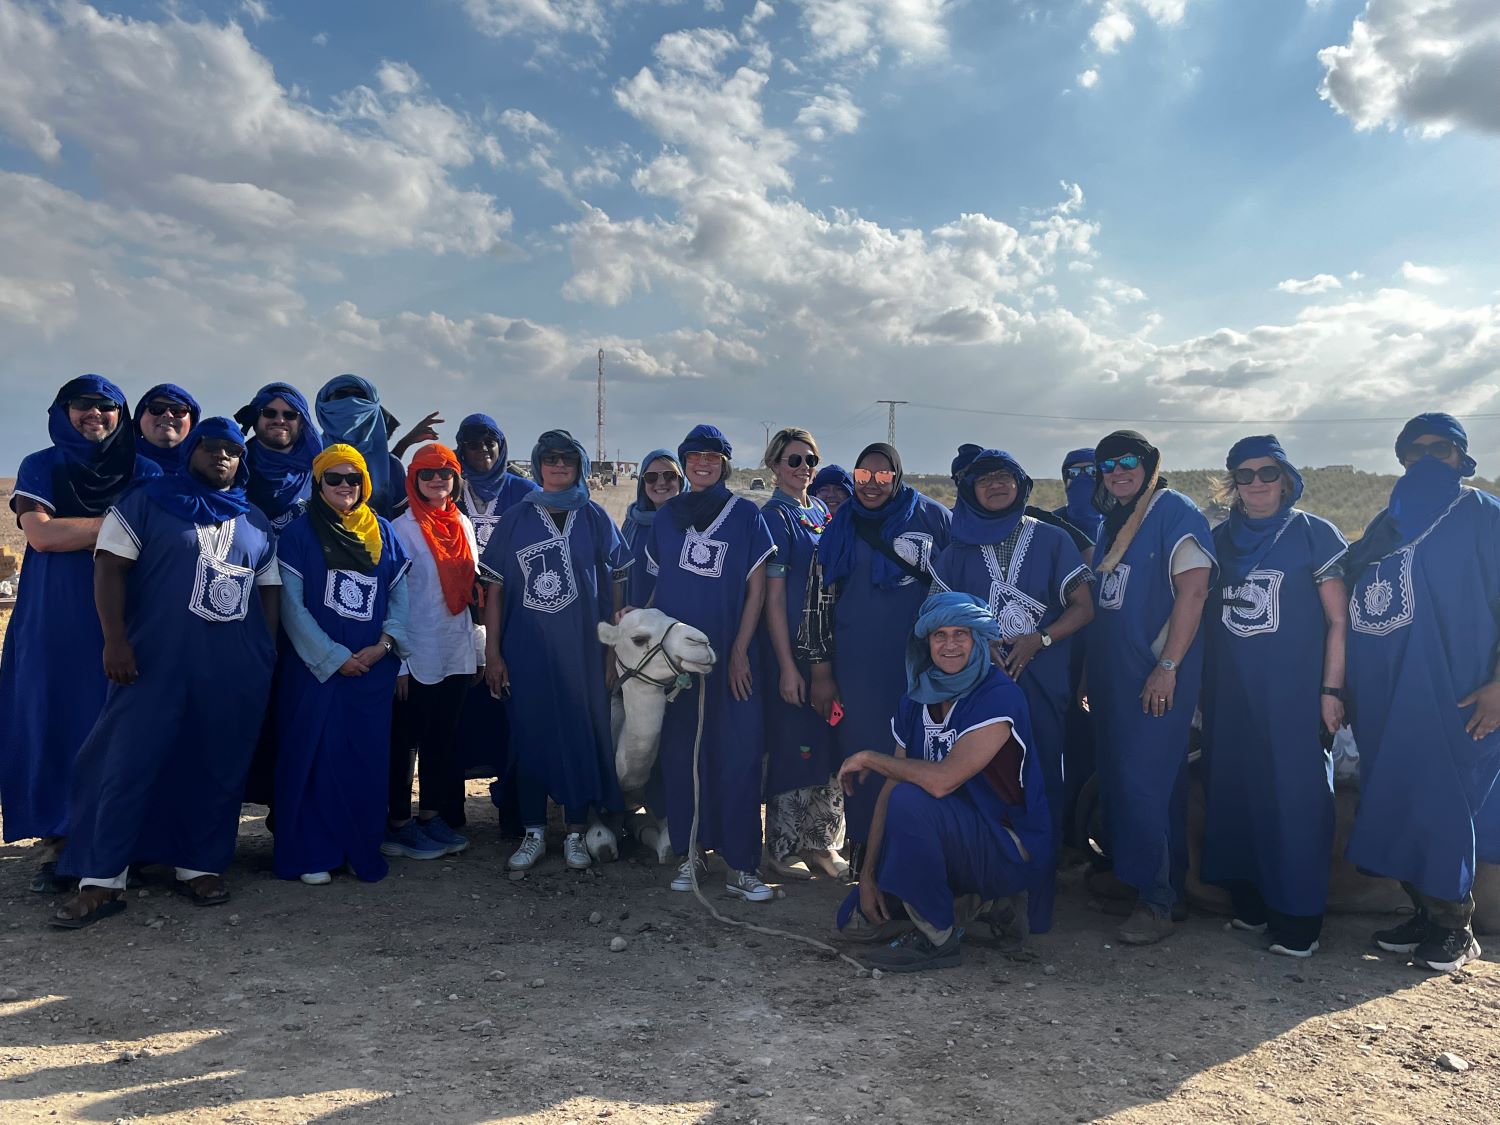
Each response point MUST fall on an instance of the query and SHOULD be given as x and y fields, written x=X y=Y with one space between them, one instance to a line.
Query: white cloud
x=257 y=10
x=320 y=39
x=1434 y=64
x=912 y=29
x=501 y=18
x=187 y=119
x=1319 y=283
x=1089 y=78
x=698 y=50
x=397 y=78
x=524 y=123
x=832 y=111
x=1423 y=275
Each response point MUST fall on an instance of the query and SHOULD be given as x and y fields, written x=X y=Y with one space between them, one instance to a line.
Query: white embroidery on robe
x=547 y=577
x=1258 y=604
x=1112 y=587
x=701 y=553
x=351 y=594
x=221 y=589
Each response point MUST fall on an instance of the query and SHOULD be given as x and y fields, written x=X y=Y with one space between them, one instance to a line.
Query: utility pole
x=767 y=427
x=599 y=442
x=890 y=429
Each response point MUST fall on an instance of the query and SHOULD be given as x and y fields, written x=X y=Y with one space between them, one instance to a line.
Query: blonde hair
x=1226 y=494
x=783 y=438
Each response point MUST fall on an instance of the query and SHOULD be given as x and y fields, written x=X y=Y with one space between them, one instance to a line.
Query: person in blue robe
x=490 y=489
x=709 y=549
x=344 y=608
x=552 y=563
x=1275 y=626
x=1145 y=668
x=1036 y=584
x=349 y=411
x=1078 y=483
x=834 y=486
x=1424 y=583
x=280 y=453
x=659 y=479
x=186 y=587
x=51 y=682
x=874 y=566
x=163 y=417
x=961 y=823
x=804 y=806
x=1078 y=477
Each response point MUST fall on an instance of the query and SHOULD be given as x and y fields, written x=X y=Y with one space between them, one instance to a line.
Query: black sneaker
x=1446 y=950
x=1406 y=937
x=912 y=952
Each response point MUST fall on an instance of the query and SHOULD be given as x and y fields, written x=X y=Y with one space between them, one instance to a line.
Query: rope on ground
x=769 y=931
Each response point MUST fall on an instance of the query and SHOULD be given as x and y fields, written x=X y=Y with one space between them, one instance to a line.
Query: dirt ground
x=451 y=993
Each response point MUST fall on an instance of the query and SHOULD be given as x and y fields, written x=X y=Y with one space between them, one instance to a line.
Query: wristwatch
x=1046 y=638
x=387 y=646
x=1168 y=665
x=1337 y=693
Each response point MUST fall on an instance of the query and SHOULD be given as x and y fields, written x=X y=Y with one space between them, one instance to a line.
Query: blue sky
x=1176 y=212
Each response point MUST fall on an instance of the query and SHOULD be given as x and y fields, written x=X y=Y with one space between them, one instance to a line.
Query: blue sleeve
x=494 y=550
x=1068 y=567
x=318 y=651
x=1189 y=521
x=942 y=522
x=1328 y=544
x=34 y=480
x=762 y=546
x=617 y=554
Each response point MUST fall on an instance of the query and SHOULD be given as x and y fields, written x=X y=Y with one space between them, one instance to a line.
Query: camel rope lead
x=769 y=931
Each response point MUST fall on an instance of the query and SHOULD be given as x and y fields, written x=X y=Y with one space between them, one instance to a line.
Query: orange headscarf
x=443 y=528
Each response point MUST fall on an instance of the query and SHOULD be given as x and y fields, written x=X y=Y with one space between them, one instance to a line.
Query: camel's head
x=641 y=630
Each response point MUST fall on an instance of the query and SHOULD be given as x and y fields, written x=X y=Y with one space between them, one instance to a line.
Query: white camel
x=656 y=657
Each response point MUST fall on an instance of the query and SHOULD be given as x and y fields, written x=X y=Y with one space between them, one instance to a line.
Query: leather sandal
x=91 y=904
x=204 y=890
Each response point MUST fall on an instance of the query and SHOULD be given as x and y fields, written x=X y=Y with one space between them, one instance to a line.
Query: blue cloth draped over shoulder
x=160 y=777
x=280 y=480
x=169 y=460
x=1269 y=783
x=334 y=737
x=189 y=498
x=892 y=519
x=640 y=584
x=52 y=681
x=359 y=420
x=1423 y=635
x=557 y=587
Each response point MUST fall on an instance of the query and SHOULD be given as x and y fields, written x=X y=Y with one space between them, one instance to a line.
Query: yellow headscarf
x=360 y=521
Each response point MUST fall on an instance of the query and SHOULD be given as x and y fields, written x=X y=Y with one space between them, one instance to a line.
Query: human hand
x=793 y=686
x=1156 y=696
x=119 y=662
x=1021 y=654
x=853 y=772
x=352 y=667
x=1486 y=717
x=740 y=680
x=371 y=655
x=1333 y=713
x=823 y=694
x=871 y=900
x=497 y=676
x=422 y=431
x=403 y=685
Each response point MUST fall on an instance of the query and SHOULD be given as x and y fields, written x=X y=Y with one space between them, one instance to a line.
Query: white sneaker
x=684 y=880
x=747 y=885
x=316 y=878
x=575 y=853
x=533 y=847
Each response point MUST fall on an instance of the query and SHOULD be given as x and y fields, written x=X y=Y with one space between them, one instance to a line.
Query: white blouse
x=442 y=644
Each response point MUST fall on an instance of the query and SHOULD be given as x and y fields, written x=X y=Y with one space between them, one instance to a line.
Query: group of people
x=215 y=610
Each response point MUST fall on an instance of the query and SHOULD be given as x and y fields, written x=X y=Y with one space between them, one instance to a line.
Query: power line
x=862 y=416
x=1177 y=421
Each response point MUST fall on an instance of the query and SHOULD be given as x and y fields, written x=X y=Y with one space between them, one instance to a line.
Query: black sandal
x=66 y=917
x=217 y=897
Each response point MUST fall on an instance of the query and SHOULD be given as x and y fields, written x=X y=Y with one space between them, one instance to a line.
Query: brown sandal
x=204 y=890
x=91 y=904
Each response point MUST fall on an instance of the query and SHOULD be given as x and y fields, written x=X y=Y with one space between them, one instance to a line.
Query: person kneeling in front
x=962 y=821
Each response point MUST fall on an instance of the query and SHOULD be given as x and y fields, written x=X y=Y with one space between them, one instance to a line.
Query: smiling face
x=1446 y=451
x=874 y=492
x=950 y=647
x=833 y=496
x=216 y=462
x=342 y=496
x=166 y=429
x=667 y=484
x=1123 y=483
x=996 y=490
x=560 y=468
x=278 y=425
x=93 y=417
x=479 y=454
x=1261 y=498
x=794 y=480
x=439 y=488
x=704 y=470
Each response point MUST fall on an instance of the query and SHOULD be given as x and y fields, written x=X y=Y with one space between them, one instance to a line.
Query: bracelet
x=387 y=646
x=1337 y=693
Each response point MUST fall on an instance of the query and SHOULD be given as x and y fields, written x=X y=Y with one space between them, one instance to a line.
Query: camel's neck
x=645 y=706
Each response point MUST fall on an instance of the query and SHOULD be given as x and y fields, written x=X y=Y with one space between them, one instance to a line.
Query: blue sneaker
x=409 y=840
x=439 y=833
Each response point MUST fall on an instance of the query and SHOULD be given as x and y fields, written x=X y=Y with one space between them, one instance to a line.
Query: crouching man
x=185 y=581
x=962 y=821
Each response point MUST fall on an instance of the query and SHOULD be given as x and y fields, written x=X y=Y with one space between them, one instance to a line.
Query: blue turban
x=972 y=524
x=1438 y=425
x=95 y=473
x=643 y=512
x=359 y=420
x=925 y=682
x=279 y=478
x=835 y=475
x=188 y=498
x=569 y=499
x=1250 y=539
x=705 y=439
x=170 y=460
x=966 y=454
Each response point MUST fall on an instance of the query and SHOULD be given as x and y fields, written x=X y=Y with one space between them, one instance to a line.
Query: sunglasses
x=333 y=480
x=479 y=443
x=703 y=455
x=795 y=461
x=666 y=476
x=1073 y=472
x=435 y=474
x=175 y=409
x=555 y=458
x=219 y=446
x=997 y=477
x=1266 y=474
x=102 y=405
x=271 y=414
x=1129 y=461
x=1441 y=449
x=879 y=476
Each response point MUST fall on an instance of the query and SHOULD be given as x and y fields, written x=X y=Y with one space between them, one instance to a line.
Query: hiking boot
x=533 y=847
x=1446 y=950
x=436 y=829
x=1144 y=927
x=575 y=854
x=410 y=841
x=1406 y=937
x=913 y=951
x=747 y=885
x=684 y=880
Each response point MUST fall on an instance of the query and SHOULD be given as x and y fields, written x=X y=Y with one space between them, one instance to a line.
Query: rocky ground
x=450 y=992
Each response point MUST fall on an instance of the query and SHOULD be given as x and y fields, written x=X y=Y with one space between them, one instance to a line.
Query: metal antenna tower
x=890 y=429
x=767 y=427
x=600 y=455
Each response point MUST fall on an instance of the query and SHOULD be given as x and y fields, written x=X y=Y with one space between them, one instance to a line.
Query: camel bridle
x=680 y=680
